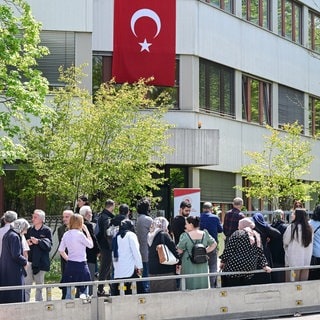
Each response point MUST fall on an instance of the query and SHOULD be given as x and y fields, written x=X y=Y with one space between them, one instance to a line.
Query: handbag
x=165 y=255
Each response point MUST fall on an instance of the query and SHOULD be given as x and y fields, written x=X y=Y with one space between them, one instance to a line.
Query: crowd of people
x=113 y=247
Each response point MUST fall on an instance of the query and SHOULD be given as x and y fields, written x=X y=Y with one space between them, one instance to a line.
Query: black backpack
x=198 y=252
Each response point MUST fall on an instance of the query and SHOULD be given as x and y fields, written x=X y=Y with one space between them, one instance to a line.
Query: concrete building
x=240 y=65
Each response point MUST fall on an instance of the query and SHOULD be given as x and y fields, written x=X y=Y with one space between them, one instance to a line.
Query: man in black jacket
x=39 y=239
x=105 y=250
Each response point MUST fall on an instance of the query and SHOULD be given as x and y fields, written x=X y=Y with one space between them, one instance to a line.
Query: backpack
x=198 y=252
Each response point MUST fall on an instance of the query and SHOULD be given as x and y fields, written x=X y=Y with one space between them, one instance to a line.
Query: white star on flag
x=145 y=45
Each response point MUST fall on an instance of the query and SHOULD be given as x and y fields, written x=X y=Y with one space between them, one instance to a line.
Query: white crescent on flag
x=145 y=13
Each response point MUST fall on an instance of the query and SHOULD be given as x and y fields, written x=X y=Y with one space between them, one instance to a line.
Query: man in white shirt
x=8 y=217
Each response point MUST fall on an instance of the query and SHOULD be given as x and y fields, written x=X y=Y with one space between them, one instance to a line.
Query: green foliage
x=112 y=147
x=22 y=87
x=276 y=174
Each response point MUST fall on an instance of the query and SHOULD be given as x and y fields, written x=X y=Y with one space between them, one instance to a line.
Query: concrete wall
x=250 y=302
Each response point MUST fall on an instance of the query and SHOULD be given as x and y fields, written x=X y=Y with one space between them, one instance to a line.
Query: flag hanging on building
x=144 y=41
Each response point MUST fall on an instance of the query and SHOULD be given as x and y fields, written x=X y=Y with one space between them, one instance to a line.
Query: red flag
x=144 y=41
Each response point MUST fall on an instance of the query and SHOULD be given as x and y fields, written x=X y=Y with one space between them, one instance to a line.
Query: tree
x=22 y=87
x=114 y=146
x=276 y=174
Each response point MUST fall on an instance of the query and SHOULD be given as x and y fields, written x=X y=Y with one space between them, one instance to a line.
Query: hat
x=259 y=219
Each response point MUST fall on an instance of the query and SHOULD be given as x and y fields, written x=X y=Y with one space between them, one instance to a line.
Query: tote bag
x=165 y=255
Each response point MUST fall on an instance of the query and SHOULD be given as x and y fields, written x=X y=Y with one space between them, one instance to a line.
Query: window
x=102 y=72
x=256 y=100
x=62 y=53
x=216 y=88
x=291 y=106
x=226 y=5
x=314 y=32
x=290 y=20
x=257 y=12
x=314 y=116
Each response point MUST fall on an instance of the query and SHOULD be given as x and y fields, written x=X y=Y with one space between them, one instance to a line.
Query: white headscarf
x=248 y=225
x=159 y=224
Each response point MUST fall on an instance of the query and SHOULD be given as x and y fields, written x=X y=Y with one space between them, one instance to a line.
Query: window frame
x=264 y=100
x=223 y=73
x=283 y=21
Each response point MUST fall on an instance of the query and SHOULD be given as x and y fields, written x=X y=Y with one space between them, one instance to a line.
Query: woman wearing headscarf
x=267 y=234
x=127 y=261
x=298 y=244
x=13 y=262
x=159 y=235
x=243 y=252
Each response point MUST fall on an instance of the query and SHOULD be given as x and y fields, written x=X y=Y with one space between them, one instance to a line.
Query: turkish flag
x=144 y=41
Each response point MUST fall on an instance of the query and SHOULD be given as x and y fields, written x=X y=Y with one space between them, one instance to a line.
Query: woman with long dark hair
x=297 y=244
x=315 y=260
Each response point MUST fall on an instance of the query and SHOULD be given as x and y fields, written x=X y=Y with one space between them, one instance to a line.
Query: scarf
x=152 y=234
x=126 y=226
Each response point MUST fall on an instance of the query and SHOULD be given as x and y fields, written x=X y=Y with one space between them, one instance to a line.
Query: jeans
x=213 y=266
x=145 y=274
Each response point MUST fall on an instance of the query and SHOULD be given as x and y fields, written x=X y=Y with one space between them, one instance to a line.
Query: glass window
x=256 y=100
x=226 y=5
x=290 y=20
x=314 y=31
x=62 y=53
x=314 y=116
x=102 y=72
x=291 y=106
x=257 y=12
x=216 y=88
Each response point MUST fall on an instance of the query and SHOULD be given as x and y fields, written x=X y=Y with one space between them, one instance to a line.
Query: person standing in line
x=144 y=222
x=159 y=235
x=127 y=259
x=39 y=239
x=123 y=214
x=187 y=240
x=82 y=201
x=75 y=241
x=267 y=234
x=314 y=274
x=298 y=244
x=8 y=218
x=243 y=252
x=276 y=246
x=13 y=262
x=212 y=224
x=177 y=227
x=103 y=222
x=61 y=231
x=232 y=217
x=92 y=253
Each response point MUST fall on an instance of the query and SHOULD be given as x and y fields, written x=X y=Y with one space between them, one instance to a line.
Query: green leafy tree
x=276 y=174
x=22 y=87
x=114 y=146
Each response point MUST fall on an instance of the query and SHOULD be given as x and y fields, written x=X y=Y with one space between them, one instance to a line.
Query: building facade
x=239 y=66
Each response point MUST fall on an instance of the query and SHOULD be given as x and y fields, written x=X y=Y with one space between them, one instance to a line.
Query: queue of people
x=89 y=250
